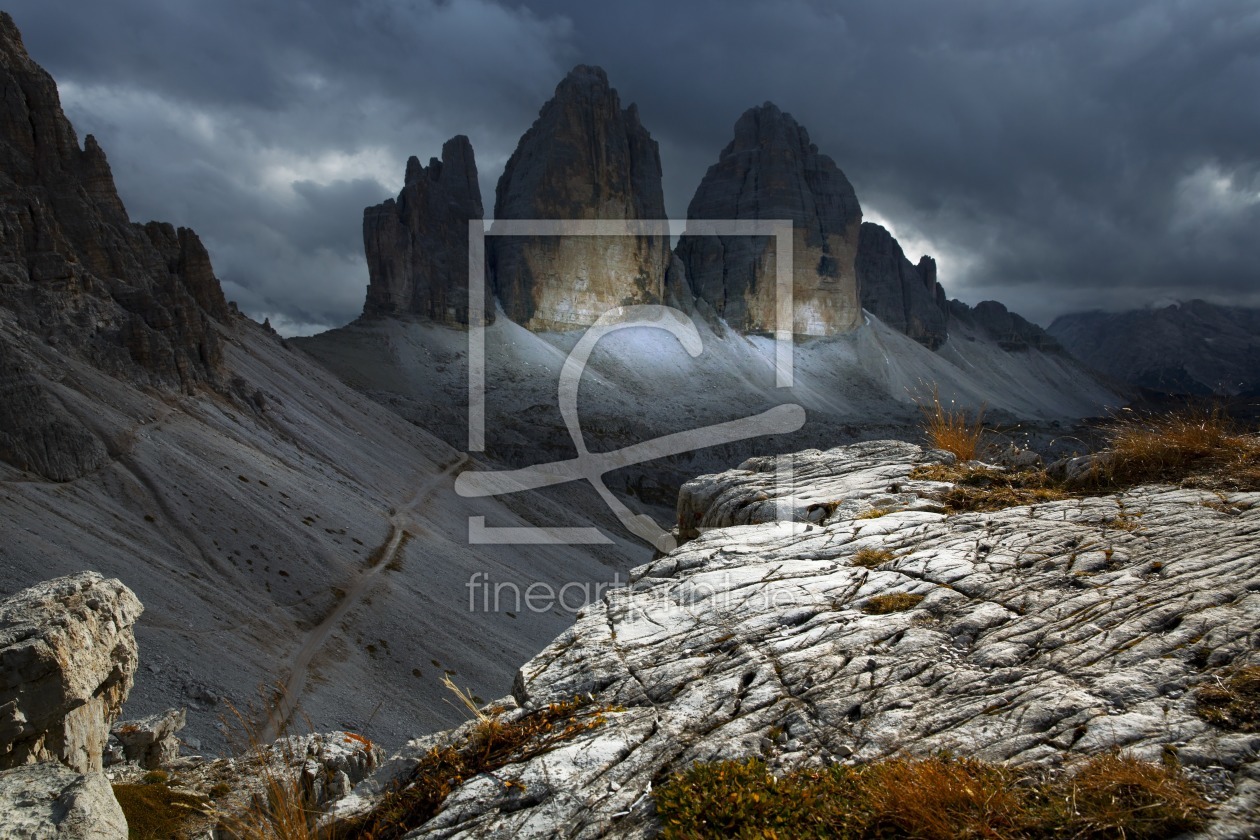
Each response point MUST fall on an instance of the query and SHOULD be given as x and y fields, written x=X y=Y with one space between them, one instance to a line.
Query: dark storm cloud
x=1055 y=156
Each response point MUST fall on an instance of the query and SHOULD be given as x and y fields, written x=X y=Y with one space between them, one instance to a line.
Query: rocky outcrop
x=904 y=296
x=771 y=170
x=1012 y=332
x=417 y=244
x=52 y=802
x=584 y=158
x=137 y=301
x=67 y=659
x=1185 y=348
x=150 y=741
x=1032 y=635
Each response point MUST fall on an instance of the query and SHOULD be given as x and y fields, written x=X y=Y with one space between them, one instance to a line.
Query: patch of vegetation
x=155 y=812
x=869 y=558
x=874 y=513
x=950 y=429
x=1109 y=796
x=1197 y=447
x=980 y=488
x=1233 y=702
x=494 y=742
x=891 y=603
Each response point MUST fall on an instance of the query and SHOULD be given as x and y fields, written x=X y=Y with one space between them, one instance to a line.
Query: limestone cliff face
x=772 y=171
x=585 y=157
x=137 y=301
x=417 y=244
x=904 y=296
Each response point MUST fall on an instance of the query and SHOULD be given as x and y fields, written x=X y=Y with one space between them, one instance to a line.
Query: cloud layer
x=1054 y=156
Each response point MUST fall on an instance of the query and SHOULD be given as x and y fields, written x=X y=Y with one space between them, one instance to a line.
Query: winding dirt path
x=290 y=691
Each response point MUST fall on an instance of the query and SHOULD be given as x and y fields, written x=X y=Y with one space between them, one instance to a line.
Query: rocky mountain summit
x=1194 y=347
x=847 y=618
x=771 y=170
x=585 y=157
x=136 y=301
x=905 y=296
x=417 y=244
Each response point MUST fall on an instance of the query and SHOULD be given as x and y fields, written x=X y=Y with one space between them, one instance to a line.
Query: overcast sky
x=1055 y=156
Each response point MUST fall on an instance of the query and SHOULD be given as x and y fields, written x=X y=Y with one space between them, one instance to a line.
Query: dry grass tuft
x=941 y=798
x=873 y=513
x=155 y=812
x=869 y=558
x=494 y=742
x=1116 y=796
x=1233 y=702
x=979 y=488
x=279 y=808
x=950 y=429
x=1199 y=446
x=891 y=603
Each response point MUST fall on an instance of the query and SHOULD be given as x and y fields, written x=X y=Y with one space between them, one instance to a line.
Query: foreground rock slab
x=67 y=659
x=52 y=802
x=1031 y=635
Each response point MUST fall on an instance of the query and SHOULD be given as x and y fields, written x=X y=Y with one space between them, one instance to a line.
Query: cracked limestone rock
x=67 y=659
x=1043 y=634
x=52 y=802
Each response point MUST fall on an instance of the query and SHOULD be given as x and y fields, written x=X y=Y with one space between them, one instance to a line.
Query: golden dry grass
x=938 y=798
x=155 y=812
x=950 y=428
x=979 y=488
x=869 y=558
x=494 y=742
x=890 y=603
x=1234 y=701
x=1198 y=446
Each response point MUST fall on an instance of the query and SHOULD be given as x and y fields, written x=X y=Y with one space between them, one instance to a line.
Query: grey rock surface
x=585 y=157
x=904 y=296
x=1011 y=331
x=417 y=244
x=52 y=802
x=151 y=741
x=67 y=660
x=1043 y=634
x=1187 y=348
x=771 y=170
x=137 y=301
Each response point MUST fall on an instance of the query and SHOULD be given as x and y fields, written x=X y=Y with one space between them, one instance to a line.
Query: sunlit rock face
x=771 y=170
x=585 y=157
x=417 y=244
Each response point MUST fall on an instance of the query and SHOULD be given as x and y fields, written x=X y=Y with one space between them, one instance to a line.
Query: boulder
x=584 y=158
x=52 y=802
x=771 y=170
x=67 y=659
x=151 y=741
x=417 y=244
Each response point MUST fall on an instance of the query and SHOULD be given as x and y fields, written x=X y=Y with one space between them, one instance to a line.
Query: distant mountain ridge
x=1193 y=348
